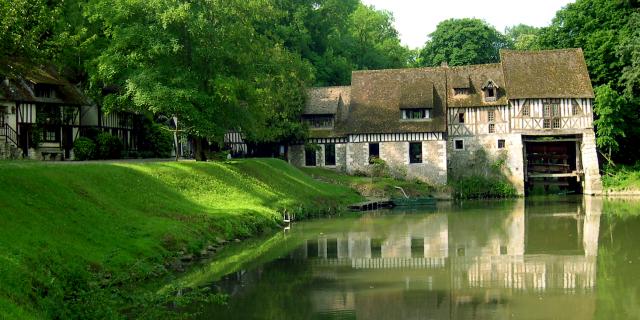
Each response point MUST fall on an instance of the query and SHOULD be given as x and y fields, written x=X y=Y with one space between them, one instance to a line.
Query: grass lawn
x=73 y=235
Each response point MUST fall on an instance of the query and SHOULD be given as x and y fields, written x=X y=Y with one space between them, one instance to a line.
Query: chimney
x=444 y=64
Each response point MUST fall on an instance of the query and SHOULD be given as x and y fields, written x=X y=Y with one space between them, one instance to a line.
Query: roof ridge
x=543 y=51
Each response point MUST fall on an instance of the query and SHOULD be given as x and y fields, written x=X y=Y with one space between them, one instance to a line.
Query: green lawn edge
x=73 y=235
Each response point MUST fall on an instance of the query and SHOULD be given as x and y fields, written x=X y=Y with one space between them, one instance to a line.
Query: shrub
x=379 y=167
x=108 y=146
x=157 y=143
x=479 y=187
x=84 y=149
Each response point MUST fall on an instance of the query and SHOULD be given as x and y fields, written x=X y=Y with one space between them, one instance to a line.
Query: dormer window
x=44 y=91
x=460 y=91
x=319 y=121
x=416 y=114
x=490 y=89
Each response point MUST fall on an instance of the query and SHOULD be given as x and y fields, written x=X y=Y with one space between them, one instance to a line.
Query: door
x=67 y=140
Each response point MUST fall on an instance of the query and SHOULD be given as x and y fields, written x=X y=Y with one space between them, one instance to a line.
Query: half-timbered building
x=42 y=114
x=531 y=114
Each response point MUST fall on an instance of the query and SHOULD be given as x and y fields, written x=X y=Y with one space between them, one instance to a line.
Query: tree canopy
x=462 y=41
x=609 y=34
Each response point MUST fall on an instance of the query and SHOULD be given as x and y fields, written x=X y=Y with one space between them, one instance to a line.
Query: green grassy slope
x=67 y=232
x=622 y=178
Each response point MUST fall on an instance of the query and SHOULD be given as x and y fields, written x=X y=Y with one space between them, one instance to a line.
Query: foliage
x=608 y=33
x=622 y=177
x=482 y=187
x=611 y=110
x=523 y=37
x=26 y=29
x=461 y=42
x=55 y=264
x=84 y=149
x=108 y=146
x=157 y=141
x=337 y=37
x=379 y=167
x=366 y=186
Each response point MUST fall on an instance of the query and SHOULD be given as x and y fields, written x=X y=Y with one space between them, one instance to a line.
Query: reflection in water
x=532 y=260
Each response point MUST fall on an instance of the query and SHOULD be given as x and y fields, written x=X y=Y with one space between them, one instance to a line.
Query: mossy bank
x=75 y=237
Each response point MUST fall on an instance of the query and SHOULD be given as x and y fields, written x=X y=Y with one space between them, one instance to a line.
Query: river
x=542 y=258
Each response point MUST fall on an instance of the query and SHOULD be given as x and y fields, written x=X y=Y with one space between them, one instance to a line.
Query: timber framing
x=533 y=112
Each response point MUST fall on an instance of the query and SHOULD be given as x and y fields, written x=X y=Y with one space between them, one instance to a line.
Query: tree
x=523 y=37
x=26 y=30
x=338 y=36
x=596 y=26
x=610 y=125
x=373 y=42
x=607 y=31
x=203 y=61
x=461 y=42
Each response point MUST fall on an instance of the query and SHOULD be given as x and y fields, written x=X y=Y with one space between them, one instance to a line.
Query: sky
x=416 y=19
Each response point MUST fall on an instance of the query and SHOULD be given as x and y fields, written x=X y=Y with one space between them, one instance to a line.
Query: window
x=490 y=90
x=460 y=91
x=415 y=152
x=330 y=154
x=1 y=116
x=492 y=127
x=416 y=114
x=491 y=116
x=310 y=157
x=461 y=117
x=575 y=108
x=501 y=144
x=44 y=91
x=458 y=144
x=319 y=121
x=503 y=250
x=551 y=114
x=374 y=151
x=526 y=109
x=50 y=134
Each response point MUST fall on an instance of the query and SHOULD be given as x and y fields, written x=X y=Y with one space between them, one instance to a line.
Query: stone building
x=528 y=118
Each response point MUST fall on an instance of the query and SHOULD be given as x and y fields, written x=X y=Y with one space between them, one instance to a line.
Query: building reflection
x=474 y=265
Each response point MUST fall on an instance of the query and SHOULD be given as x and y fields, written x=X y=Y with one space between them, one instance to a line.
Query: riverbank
x=622 y=180
x=74 y=239
x=474 y=187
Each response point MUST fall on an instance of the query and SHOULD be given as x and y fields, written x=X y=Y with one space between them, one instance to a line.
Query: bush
x=108 y=146
x=479 y=187
x=157 y=143
x=84 y=149
x=379 y=168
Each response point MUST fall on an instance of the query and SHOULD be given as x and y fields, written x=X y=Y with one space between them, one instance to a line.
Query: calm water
x=549 y=258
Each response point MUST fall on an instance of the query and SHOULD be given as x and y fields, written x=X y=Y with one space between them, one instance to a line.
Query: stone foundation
x=592 y=184
x=481 y=152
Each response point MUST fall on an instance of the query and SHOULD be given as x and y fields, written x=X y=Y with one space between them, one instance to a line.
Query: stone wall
x=433 y=169
x=481 y=152
x=592 y=181
x=297 y=156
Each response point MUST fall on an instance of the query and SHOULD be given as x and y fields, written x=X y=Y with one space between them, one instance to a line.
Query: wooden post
x=175 y=138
